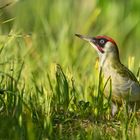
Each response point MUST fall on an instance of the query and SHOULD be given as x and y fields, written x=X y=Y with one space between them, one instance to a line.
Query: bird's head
x=104 y=45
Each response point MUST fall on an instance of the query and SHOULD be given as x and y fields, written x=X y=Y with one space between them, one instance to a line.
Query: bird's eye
x=102 y=41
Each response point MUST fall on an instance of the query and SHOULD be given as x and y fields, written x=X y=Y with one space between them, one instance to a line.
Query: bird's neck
x=109 y=60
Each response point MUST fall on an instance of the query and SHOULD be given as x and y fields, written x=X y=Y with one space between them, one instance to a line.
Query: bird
x=125 y=86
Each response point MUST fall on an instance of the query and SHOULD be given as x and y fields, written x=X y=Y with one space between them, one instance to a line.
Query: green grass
x=50 y=87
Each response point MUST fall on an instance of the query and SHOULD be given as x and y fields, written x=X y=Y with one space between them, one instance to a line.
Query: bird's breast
x=121 y=86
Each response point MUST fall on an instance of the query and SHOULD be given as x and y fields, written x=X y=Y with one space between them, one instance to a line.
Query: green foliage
x=50 y=87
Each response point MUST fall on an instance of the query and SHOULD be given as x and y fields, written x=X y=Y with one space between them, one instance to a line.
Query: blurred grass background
x=40 y=99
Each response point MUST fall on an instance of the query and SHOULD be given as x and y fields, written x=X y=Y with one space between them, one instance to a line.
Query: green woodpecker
x=124 y=83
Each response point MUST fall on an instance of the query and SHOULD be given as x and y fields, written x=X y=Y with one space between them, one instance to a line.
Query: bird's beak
x=92 y=40
x=86 y=38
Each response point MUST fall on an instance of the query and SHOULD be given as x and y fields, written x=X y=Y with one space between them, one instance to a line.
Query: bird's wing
x=126 y=73
x=127 y=83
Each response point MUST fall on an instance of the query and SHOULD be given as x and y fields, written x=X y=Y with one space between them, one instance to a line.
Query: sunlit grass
x=50 y=86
